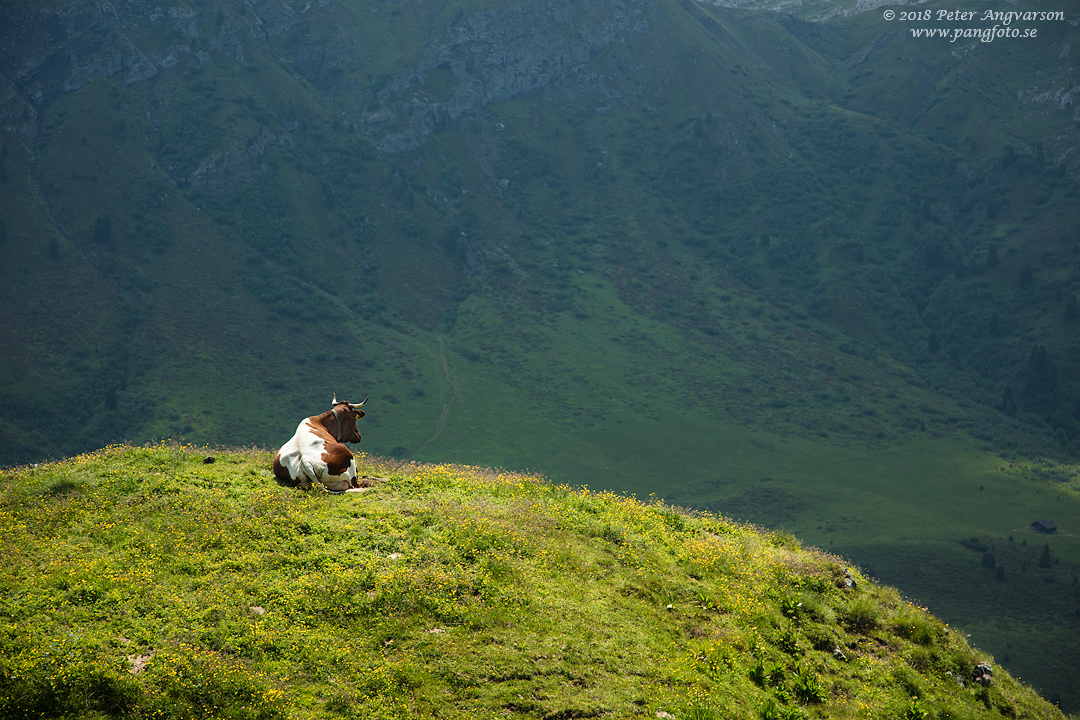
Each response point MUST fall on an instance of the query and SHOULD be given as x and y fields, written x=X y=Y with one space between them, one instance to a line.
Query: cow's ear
x=358 y=414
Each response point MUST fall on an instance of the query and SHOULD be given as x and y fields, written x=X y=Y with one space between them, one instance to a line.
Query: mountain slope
x=758 y=158
x=188 y=588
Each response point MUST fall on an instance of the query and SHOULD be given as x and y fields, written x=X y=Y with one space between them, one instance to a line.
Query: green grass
x=717 y=291
x=445 y=591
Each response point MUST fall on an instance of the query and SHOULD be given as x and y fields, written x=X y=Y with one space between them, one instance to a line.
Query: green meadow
x=149 y=583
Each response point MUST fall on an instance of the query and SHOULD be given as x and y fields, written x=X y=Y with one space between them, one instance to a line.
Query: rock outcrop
x=496 y=56
x=48 y=51
x=493 y=55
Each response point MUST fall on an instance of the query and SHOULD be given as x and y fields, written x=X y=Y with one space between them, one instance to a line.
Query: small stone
x=208 y=459
x=256 y=610
x=139 y=662
x=665 y=715
x=394 y=556
x=436 y=631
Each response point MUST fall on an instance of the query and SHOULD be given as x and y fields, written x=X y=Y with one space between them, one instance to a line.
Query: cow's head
x=347 y=414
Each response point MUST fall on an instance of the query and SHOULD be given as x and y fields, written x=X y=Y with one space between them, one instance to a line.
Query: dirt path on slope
x=446 y=408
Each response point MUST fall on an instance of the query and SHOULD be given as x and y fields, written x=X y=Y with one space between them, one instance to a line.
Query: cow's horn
x=334 y=401
x=356 y=405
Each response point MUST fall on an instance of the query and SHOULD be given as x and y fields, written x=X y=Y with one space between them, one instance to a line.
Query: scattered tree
x=103 y=229
x=1027 y=277
x=1045 y=559
x=935 y=254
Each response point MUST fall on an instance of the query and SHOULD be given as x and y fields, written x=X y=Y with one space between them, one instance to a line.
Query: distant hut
x=1044 y=526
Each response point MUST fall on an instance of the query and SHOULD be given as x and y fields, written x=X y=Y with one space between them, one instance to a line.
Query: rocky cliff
x=495 y=56
x=488 y=55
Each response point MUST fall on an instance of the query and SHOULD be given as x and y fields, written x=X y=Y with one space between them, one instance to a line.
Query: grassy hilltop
x=817 y=276
x=143 y=582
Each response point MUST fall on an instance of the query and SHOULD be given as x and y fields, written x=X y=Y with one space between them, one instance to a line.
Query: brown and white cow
x=317 y=452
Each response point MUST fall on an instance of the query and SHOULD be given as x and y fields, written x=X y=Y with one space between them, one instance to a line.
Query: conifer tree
x=1045 y=559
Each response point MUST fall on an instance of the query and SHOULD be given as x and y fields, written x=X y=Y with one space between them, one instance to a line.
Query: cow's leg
x=340 y=468
x=309 y=475
x=282 y=475
x=336 y=483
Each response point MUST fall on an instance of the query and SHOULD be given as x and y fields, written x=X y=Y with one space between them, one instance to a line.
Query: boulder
x=983 y=674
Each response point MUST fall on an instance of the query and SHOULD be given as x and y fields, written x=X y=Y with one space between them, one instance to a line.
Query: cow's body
x=317 y=453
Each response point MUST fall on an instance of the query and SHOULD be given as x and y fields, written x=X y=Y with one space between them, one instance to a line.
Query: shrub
x=757 y=674
x=808 y=688
x=772 y=674
x=913 y=711
x=790 y=606
x=776 y=674
x=771 y=710
x=789 y=641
